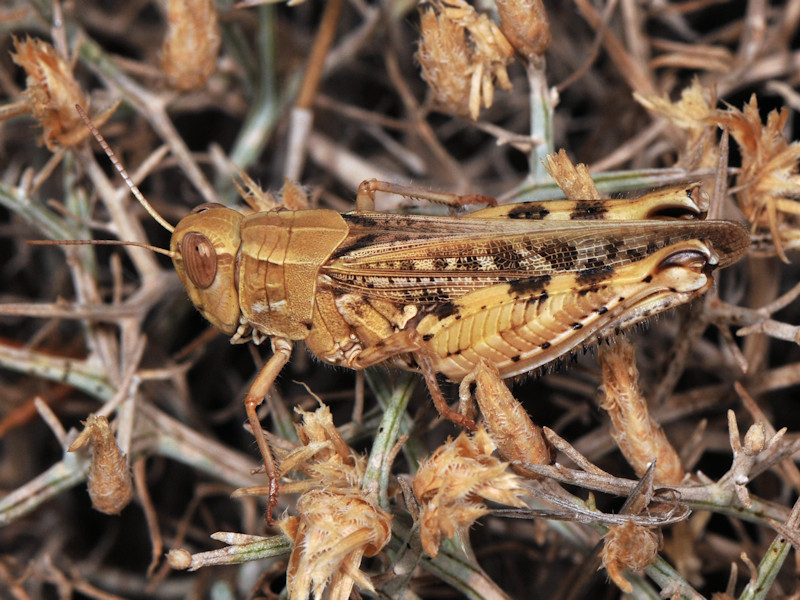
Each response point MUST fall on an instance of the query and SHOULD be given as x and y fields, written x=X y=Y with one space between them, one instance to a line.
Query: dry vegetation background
x=88 y=330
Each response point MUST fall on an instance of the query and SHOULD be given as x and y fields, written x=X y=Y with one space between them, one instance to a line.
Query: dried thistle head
x=333 y=531
x=109 y=482
x=768 y=182
x=628 y=547
x=691 y=114
x=337 y=523
x=463 y=54
x=190 y=50
x=324 y=457
x=453 y=482
x=51 y=93
x=517 y=437
x=525 y=24
x=638 y=436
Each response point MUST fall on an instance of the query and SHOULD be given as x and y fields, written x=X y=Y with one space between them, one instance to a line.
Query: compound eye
x=206 y=206
x=200 y=259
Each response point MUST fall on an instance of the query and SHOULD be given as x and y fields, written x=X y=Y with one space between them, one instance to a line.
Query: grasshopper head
x=206 y=244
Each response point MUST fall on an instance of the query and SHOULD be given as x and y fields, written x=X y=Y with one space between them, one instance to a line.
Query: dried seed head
x=445 y=61
x=179 y=559
x=51 y=93
x=525 y=24
x=691 y=114
x=755 y=439
x=337 y=522
x=191 y=47
x=575 y=181
x=334 y=529
x=768 y=181
x=453 y=482
x=325 y=458
x=639 y=437
x=463 y=54
x=110 y=486
x=293 y=196
x=628 y=547
x=256 y=198
x=516 y=436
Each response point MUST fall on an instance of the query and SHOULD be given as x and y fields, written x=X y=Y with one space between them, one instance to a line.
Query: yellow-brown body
x=514 y=292
x=512 y=287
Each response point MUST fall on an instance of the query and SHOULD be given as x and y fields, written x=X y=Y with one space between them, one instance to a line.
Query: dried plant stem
x=394 y=401
x=465 y=576
x=541 y=103
x=638 y=80
x=610 y=182
x=301 y=118
x=152 y=107
x=692 y=329
x=316 y=59
x=260 y=122
x=240 y=552
x=16 y=199
x=156 y=434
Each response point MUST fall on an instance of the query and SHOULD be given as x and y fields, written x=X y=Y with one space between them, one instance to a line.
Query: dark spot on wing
x=589 y=209
x=358 y=219
x=528 y=286
x=528 y=210
x=364 y=241
x=445 y=310
x=594 y=275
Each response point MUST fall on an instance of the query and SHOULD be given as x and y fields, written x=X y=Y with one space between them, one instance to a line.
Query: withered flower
x=463 y=54
x=191 y=47
x=453 y=482
x=516 y=436
x=110 y=486
x=525 y=24
x=628 y=547
x=768 y=181
x=337 y=523
x=51 y=93
x=691 y=114
x=574 y=180
x=333 y=530
x=638 y=436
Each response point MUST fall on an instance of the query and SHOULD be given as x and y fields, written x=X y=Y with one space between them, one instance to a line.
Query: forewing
x=427 y=260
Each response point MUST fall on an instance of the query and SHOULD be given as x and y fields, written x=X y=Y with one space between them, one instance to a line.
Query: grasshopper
x=515 y=286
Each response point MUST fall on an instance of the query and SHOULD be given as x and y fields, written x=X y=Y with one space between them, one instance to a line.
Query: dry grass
x=109 y=332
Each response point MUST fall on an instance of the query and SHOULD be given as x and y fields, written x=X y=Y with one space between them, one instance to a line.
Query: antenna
x=123 y=173
x=156 y=249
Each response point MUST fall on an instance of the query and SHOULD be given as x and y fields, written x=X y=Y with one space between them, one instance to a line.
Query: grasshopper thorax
x=205 y=245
